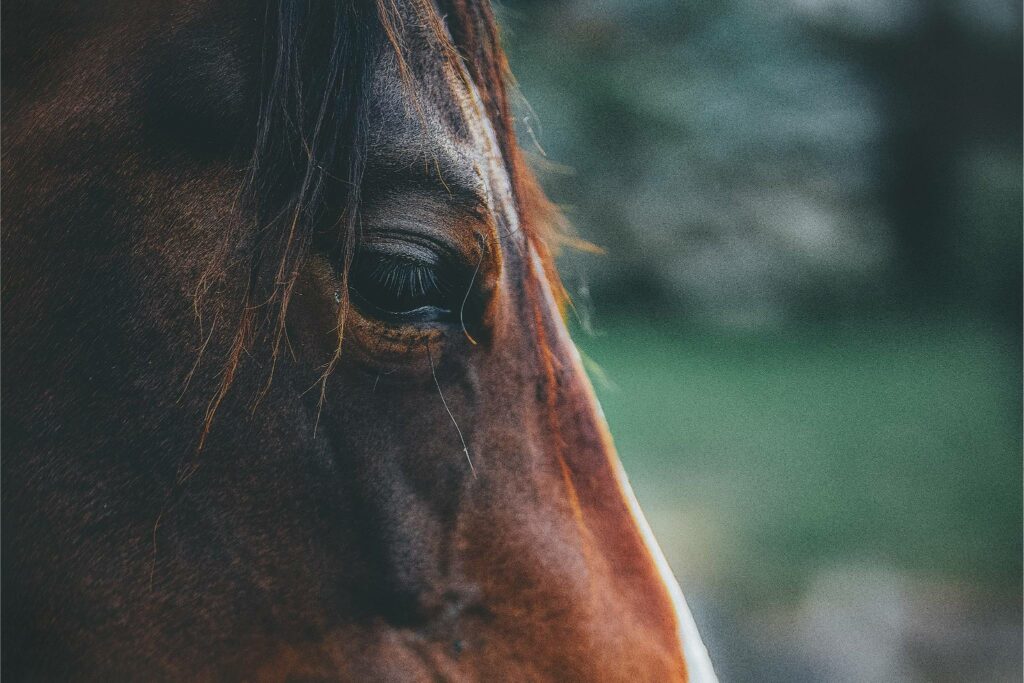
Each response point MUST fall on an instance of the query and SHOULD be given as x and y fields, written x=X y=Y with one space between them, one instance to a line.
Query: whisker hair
x=465 y=447
x=469 y=289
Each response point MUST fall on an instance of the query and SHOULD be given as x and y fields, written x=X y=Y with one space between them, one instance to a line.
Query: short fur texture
x=217 y=467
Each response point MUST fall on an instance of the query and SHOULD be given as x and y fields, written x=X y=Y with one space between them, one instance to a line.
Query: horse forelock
x=310 y=146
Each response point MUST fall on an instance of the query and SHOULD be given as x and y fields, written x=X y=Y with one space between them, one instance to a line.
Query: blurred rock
x=853 y=625
x=863 y=623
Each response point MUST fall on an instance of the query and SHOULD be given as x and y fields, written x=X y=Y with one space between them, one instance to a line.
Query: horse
x=288 y=392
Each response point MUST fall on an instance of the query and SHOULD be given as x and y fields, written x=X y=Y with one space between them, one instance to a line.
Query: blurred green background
x=806 y=327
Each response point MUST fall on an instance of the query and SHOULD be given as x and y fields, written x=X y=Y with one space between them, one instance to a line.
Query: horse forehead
x=433 y=114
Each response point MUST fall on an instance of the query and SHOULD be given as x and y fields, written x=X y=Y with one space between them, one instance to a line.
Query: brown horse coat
x=309 y=411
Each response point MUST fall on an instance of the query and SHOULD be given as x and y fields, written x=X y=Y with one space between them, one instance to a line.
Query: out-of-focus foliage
x=751 y=161
x=838 y=487
x=858 y=484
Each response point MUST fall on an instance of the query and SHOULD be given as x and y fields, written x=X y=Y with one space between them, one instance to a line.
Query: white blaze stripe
x=698 y=663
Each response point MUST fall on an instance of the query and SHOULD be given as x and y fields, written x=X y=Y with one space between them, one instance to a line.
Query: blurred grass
x=762 y=458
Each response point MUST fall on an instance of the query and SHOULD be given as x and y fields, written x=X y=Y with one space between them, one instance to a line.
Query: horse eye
x=400 y=287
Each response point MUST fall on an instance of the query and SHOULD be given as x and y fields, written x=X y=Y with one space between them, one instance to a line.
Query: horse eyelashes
x=400 y=286
x=405 y=277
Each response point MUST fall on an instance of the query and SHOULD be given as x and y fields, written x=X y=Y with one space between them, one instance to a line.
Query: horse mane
x=305 y=173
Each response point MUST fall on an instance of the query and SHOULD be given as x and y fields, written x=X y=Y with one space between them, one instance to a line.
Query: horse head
x=288 y=392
